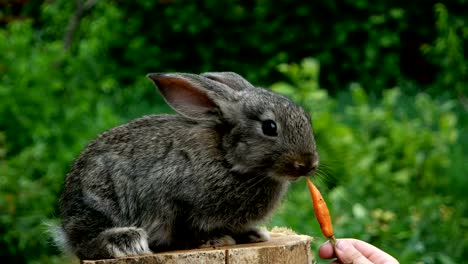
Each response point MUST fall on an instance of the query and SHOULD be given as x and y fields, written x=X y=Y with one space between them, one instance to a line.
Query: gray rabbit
x=202 y=177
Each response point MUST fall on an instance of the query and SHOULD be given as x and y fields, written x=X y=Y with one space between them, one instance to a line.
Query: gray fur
x=206 y=175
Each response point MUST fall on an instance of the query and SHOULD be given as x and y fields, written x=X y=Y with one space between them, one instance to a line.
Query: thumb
x=348 y=254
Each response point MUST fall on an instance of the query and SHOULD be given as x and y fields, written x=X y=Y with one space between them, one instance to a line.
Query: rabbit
x=203 y=177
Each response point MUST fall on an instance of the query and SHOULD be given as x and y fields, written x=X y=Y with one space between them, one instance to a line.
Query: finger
x=373 y=253
x=326 y=251
x=348 y=254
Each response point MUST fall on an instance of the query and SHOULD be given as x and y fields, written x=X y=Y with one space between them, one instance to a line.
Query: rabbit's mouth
x=290 y=177
x=293 y=175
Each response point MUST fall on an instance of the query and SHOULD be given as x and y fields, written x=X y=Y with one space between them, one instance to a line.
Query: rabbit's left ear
x=192 y=95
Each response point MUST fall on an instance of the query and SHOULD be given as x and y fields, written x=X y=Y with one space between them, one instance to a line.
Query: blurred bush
x=448 y=51
x=51 y=106
x=393 y=167
x=377 y=44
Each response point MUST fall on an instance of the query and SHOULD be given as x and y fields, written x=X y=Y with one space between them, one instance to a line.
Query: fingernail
x=341 y=245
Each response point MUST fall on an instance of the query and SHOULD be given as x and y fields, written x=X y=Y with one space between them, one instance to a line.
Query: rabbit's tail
x=59 y=236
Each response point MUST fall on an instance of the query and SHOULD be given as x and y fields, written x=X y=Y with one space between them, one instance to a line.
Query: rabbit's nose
x=300 y=166
x=308 y=163
x=304 y=164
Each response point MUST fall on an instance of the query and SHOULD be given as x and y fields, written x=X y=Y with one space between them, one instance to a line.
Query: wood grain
x=283 y=247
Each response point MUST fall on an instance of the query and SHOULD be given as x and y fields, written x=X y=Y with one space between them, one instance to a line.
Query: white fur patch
x=115 y=251
x=263 y=235
x=137 y=247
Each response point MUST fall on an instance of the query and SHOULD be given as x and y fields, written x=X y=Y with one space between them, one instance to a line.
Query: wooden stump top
x=284 y=247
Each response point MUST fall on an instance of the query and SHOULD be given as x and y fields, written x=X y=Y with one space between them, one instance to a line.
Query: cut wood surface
x=284 y=247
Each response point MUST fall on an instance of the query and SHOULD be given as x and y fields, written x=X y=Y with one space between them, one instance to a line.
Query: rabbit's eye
x=269 y=128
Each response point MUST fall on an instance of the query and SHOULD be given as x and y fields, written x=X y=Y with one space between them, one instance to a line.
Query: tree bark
x=283 y=247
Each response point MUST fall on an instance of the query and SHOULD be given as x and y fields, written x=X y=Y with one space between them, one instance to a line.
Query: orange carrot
x=321 y=212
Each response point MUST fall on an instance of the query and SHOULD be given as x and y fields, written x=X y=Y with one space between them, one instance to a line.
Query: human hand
x=354 y=251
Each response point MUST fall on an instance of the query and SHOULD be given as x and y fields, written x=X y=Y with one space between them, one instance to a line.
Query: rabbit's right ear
x=231 y=79
x=191 y=95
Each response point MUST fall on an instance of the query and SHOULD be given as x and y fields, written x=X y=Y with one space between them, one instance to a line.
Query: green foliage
x=47 y=97
x=264 y=35
x=376 y=44
x=388 y=166
x=448 y=51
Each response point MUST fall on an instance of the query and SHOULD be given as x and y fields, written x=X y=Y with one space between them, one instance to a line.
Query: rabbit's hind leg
x=115 y=242
x=124 y=241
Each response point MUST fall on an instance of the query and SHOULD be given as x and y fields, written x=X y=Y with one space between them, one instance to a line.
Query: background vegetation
x=385 y=83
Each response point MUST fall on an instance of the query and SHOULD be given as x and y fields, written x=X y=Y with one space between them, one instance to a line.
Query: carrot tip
x=321 y=212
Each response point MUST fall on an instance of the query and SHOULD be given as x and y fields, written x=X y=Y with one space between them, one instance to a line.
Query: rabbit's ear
x=231 y=79
x=191 y=95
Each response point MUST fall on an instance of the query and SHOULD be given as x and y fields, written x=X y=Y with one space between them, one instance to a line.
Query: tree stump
x=284 y=247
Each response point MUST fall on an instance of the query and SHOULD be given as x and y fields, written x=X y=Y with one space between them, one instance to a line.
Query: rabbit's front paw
x=126 y=241
x=219 y=242
x=252 y=235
